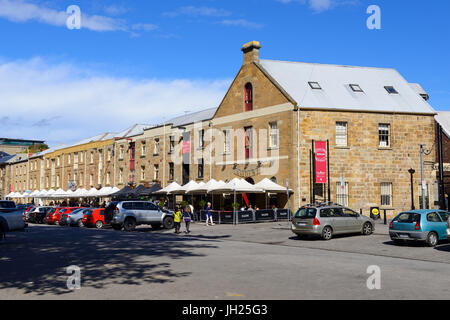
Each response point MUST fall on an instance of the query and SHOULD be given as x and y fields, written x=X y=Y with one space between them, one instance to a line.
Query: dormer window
x=391 y=90
x=315 y=85
x=356 y=88
x=248 y=97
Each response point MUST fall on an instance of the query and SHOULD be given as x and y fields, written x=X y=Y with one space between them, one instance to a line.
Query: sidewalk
x=381 y=228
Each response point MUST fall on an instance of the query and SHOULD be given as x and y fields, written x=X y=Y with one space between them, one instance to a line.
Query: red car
x=94 y=217
x=51 y=216
x=64 y=211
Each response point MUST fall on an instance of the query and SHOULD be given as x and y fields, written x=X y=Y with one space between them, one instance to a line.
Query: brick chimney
x=251 y=52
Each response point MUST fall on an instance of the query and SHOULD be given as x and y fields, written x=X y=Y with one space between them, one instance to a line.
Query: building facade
x=265 y=127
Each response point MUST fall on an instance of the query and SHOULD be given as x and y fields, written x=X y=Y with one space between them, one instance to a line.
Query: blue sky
x=138 y=61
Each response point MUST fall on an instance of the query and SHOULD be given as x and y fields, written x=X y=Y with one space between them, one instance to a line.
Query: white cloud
x=198 y=11
x=63 y=103
x=22 y=11
x=322 y=5
x=241 y=23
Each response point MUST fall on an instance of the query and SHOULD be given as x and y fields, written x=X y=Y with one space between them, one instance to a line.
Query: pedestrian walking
x=177 y=219
x=187 y=218
x=209 y=216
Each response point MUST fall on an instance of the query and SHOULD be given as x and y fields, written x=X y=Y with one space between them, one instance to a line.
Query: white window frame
x=384 y=135
x=341 y=134
x=273 y=135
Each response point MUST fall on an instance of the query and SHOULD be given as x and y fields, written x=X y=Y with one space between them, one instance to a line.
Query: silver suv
x=326 y=220
x=10 y=218
x=129 y=214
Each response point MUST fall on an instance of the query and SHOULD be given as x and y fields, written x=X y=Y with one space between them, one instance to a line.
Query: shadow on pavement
x=36 y=261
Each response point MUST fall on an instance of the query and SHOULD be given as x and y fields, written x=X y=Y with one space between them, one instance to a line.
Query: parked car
x=429 y=226
x=62 y=211
x=10 y=218
x=129 y=214
x=76 y=217
x=328 y=220
x=51 y=217
x=94 y=217
x=37 y=215
x=70 y=216
x=26 y=212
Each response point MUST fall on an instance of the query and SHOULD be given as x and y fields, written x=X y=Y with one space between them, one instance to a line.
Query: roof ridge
x=329 y=64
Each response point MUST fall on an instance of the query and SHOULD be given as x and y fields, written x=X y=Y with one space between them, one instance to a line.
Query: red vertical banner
x=321 y=161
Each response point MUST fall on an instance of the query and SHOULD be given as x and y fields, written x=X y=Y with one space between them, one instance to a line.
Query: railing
x=248 y=216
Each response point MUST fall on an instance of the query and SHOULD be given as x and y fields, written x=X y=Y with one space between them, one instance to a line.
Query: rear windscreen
x=306 y=213
x=408 y=217
x=7 y=205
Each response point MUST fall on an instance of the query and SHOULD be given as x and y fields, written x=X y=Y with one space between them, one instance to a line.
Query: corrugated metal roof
x=335 y=80
x=443 y=118
x=195 y=117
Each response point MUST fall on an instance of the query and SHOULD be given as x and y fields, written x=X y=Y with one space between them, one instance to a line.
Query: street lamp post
x=411 y=172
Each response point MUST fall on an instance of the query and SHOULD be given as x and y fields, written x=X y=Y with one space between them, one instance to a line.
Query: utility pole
x=422 y=184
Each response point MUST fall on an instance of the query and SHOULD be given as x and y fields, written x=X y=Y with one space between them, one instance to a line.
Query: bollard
x=385 y=217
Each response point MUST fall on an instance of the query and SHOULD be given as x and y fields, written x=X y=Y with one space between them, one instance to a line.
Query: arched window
x=248 y=97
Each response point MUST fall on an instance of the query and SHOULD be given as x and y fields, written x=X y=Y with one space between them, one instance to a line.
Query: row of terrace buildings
x=265 y=126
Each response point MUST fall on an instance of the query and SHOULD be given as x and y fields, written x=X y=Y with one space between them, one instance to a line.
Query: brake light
x=418 y=225
x=116 y=210
x=391 y=225
x=316 y=222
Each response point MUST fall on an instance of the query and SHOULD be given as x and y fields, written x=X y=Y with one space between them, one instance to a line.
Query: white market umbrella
x=105 y=191
x=219 y=187
x=92 y=193
x=242 y=186
x=202 y=187
x=9 y=195
x=170 y=188
x=80 y=193
x=69 y=194
x=42 y=193
x=34 y=194
x=50 y=193
x=183 y=189
x=60 y=193
x=269 y=186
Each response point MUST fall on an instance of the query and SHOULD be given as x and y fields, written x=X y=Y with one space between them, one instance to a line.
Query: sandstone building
x=372 y=118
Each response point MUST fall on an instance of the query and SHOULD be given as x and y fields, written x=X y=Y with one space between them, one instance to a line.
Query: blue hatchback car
x=429 y=226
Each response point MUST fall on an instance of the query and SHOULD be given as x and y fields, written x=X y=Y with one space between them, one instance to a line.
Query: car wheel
x=327 y=233
x=168 y=223
x=129 y=224
x=80 y=223
x=99 y=224
x=367 y=229
x=117 y=227
x=432 y=239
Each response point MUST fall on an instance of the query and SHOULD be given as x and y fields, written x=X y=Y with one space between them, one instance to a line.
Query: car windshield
x=77 y=211
x=306 y=213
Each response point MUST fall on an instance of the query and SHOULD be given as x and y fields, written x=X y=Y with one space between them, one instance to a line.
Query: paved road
x=260 y=261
